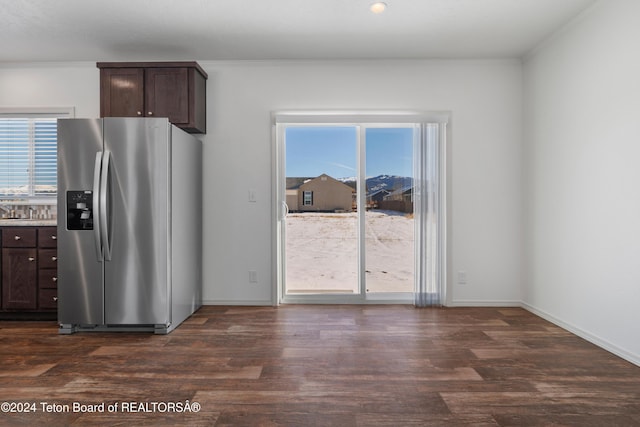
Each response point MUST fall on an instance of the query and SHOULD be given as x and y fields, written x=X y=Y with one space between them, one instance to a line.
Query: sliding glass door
x=321 y=243
x=348 y=223
x=389 y=228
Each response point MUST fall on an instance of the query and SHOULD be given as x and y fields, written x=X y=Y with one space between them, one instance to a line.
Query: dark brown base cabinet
x=176 y=90
x=29 y=271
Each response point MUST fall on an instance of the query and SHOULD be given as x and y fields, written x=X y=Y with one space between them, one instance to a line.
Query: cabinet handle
x=139 y=113
x=17 y=237
x=54 y=237
x=55 y=298
x=150 y=113
x=54 y=279
x=54 y=258
x=31 y=259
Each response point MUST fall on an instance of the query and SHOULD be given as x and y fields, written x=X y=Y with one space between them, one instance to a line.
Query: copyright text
x=121 y=406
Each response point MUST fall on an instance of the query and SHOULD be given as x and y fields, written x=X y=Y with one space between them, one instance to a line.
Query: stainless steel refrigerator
x=129 y=225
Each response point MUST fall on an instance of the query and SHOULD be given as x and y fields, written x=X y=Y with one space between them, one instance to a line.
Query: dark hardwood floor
x=319 y=366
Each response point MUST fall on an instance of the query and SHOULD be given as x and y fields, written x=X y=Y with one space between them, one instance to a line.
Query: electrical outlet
x=462 y=277
x=253 y=276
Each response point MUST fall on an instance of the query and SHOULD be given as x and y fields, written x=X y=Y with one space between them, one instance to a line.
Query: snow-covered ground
x=322 y=252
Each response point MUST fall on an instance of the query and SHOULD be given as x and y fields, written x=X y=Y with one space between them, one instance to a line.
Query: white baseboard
x=258 y=303
x=374 y=300
x=483 y=303
x=600 y=342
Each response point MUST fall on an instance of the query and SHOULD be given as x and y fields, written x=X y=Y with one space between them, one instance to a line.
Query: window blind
x=28 y=157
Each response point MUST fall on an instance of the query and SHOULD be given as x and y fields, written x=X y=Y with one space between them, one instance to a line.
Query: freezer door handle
x=104 y=208
x=96 y=206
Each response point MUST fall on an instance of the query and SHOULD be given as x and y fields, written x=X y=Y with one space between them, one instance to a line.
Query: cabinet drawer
x=48 y=299
x=47 y=258
x=19 y=237
x=48 y=237
x=48 y=278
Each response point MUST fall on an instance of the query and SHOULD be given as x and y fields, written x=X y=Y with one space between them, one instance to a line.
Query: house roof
x=327 y=177
x=293 y=183
x=402 y=190
x=380 y=191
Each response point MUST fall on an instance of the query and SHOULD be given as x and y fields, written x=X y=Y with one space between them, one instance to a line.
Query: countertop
x=26 y=222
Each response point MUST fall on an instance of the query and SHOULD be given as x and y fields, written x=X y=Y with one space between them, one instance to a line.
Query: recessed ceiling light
x=378 y=7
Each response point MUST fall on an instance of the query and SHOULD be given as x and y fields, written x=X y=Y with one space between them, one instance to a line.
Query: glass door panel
x=321 y=226
x=389 y=217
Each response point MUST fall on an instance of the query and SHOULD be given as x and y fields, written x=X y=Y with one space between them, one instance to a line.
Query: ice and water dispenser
x=80 y=210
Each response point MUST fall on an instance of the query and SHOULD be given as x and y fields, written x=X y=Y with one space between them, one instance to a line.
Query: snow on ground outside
x=321 y=252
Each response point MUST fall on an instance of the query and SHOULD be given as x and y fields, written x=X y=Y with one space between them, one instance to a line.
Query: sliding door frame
x=361 y=120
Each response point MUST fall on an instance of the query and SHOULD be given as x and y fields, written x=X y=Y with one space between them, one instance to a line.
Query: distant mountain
x=382 y=182
x=376 y=183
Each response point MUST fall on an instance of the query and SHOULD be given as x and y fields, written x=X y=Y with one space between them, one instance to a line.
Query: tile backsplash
x=28 y=210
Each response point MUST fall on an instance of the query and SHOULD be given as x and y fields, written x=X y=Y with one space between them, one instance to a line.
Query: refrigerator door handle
x=104 y=209
x=96 y=207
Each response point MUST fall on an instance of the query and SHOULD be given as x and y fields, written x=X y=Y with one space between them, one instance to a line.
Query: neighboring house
x=404 y=194
x=291 y=192
x=400 y=200
x=292 y=199
x=374 y=198
x=321 y=194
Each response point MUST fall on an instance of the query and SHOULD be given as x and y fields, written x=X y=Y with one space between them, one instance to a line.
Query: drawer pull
x=54 y=279
x=17 y=238
x=31 y=259
x=55 y=298
x=54 y=258
x=54 y=237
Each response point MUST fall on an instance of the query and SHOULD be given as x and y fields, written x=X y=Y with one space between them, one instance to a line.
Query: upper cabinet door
x=175 y=90
x=122 y=92
x=167 y=94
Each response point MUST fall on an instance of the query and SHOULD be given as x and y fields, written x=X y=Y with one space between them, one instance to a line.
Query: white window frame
x=33 y=113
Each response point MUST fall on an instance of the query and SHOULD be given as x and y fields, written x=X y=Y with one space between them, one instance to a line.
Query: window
x=28 y=153
x=307 y=198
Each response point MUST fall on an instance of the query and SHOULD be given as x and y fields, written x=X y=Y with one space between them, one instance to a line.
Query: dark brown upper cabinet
x=176 y=90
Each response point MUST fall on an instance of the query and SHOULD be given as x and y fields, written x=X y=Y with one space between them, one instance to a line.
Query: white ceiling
x=126 y=30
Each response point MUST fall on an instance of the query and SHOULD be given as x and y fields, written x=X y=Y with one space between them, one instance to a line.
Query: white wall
x=582 y=109
x=485 y=100
x=51 y=85
x=484 y=97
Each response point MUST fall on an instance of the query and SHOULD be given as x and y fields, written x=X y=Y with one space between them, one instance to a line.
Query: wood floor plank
x=323 y=366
